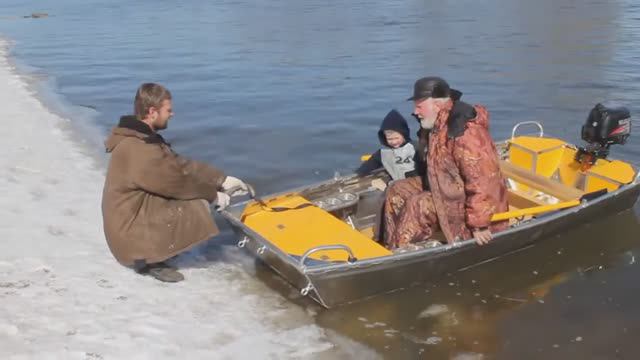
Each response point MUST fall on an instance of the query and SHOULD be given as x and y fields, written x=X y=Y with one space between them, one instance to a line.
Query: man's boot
x=162 y=272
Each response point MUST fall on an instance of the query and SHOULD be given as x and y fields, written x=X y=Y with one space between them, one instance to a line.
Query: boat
x=320 y=237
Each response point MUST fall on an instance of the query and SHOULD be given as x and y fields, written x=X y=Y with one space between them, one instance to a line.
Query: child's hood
x=396 y=122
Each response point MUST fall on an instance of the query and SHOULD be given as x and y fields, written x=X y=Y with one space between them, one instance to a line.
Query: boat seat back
x=539 y=155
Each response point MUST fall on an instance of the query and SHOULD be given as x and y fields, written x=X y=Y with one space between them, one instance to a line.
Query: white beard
x=428 y=123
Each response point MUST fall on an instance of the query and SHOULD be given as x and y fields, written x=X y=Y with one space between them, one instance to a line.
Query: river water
x=284 y=93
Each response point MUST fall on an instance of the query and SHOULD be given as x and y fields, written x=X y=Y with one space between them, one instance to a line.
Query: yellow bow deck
x=297 y=230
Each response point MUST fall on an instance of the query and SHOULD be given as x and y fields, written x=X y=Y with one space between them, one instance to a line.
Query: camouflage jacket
x=463 y=171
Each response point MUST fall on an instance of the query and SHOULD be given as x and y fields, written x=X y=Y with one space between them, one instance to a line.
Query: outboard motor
x=605 y=126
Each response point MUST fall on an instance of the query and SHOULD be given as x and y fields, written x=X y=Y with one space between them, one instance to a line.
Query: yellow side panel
x=521 y=157
x=548 y=161
x=296 y=231
x=536 y=154
x=569 y=168
x=608 y=175
x=595 y=184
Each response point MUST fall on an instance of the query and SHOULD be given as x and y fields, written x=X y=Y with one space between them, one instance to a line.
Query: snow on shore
x=62 y=295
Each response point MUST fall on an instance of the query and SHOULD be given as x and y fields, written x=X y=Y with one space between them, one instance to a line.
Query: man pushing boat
x=463 y=186
x=155 y=203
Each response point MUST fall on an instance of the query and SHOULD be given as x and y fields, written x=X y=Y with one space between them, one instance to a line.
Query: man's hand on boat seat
x=482 y=236
x=233 y=186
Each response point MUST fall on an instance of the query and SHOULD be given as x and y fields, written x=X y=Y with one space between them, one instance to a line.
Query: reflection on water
x=556 y=297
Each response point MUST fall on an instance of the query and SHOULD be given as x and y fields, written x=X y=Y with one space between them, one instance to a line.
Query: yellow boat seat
x=540 y=155
x=298 y=230
x=610 y=175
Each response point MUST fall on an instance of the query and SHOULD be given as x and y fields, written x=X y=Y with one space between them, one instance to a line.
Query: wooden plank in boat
x=520 y=200
x=538 y=182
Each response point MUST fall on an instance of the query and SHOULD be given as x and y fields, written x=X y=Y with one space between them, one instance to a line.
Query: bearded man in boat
x=462 y=187
x=156 y=203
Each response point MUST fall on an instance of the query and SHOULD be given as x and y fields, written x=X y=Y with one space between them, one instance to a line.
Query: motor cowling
x=607 y=125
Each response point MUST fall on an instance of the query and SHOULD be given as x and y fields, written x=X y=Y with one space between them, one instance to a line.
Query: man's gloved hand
x=222 y=201
x=234 y=186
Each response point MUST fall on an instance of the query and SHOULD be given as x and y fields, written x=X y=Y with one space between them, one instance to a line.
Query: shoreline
x=86 y=137
x=63 y=294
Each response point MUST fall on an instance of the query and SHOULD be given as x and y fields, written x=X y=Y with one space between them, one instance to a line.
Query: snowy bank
x=62 y=295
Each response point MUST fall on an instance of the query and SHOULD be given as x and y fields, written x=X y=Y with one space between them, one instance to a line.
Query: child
x=398 y=155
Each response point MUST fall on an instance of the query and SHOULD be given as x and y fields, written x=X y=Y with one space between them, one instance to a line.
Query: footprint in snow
x=104 y=284
x=21 y=284
x=55 y=231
